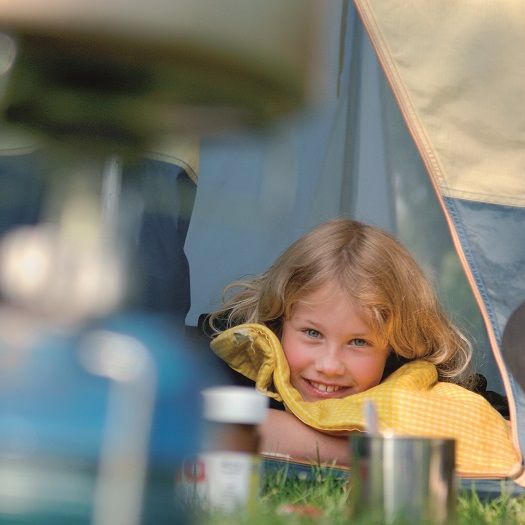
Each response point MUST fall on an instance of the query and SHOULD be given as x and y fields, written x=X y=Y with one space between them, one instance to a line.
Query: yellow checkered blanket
x=411 y=401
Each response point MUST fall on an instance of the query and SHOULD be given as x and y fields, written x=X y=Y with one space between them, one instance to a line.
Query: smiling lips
x=324 y=388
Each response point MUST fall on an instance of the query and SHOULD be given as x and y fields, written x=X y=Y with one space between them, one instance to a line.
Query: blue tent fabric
x=161 y=271
x=491 y=237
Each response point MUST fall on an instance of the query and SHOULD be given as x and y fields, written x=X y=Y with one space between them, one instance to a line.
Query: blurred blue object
x=63 y=429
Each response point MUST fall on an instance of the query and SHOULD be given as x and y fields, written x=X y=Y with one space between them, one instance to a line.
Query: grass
x=325 y=502
x=505 y=509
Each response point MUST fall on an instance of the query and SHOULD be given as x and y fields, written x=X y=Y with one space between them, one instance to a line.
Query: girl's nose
x=330 y=363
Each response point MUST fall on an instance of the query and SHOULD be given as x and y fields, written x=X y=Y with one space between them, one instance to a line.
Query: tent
x=419 y=133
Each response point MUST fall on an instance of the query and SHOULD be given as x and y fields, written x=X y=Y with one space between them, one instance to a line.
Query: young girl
x=326 y=327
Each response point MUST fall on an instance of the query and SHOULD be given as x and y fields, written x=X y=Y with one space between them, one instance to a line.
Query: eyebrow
x=304 y=320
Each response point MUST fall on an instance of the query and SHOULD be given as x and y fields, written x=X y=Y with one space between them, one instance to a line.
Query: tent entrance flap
x=459 y=105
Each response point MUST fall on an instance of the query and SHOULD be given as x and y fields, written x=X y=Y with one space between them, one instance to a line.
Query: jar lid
x=235 y=404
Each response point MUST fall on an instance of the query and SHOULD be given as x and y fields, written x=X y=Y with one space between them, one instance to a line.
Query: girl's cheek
x=301 y=359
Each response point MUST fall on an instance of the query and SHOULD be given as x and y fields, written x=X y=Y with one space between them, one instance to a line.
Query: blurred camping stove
x=89 y=398
x=99 y=82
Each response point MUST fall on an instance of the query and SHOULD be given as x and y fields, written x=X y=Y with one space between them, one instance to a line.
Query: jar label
x=223 y=481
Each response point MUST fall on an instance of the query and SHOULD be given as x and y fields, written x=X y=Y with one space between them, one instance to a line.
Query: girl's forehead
x=330 y=296
x=325 y=293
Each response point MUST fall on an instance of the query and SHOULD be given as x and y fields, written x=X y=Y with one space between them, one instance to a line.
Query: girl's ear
x=393 y=362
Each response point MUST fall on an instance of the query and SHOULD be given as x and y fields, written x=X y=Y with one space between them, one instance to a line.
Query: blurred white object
x=126 y=362
x=371 y=418
x=70 y=268
x=7 y=53
x=235 y=404
x=52 y=276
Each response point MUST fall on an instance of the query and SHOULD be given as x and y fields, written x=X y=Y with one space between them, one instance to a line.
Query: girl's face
x=329 y=347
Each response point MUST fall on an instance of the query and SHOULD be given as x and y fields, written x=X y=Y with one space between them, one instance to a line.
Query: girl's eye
x=310 y=332
x=359 y=342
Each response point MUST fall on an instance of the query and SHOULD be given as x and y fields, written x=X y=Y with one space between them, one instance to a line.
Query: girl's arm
x=283 y=433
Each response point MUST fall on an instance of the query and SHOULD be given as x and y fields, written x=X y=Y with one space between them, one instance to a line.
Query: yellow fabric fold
x=411 y=401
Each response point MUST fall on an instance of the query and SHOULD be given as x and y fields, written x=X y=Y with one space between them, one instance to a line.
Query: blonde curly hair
x=376 y=272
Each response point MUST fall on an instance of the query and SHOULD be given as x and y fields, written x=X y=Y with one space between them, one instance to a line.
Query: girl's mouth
x=326 y=389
